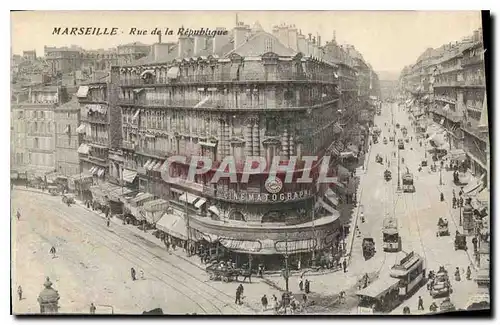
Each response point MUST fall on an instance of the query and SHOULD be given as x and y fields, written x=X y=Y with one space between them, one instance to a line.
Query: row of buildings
x=250 y=93
x=448 y=85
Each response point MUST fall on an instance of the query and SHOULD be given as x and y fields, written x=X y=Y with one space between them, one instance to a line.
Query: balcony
x=96 y=118
x=101 y=141
x=190 y=185
x=448 y=84
x=477 y=59
x=128 y=101
x=128 y=145
x=478 y=82
x=455 y=67
x=230 y=78
x=160 y=154
x=445 y=99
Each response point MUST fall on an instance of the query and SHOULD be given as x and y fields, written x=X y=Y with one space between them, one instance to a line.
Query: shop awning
x=353 y=148
x=347 y=154
x=146 y=165
x=268 y=246
x=100 y=172
x=136 y=114
x=150 y=165
x=214 y=210
x=437 y=140
x=332 y=197
x=81 y=128
x=157 y=167
x=82 y=91
x=199 y=203
x=188 y=197
x=155 y=205
x=173 y=225
x=145 y=72
x=141 y=197
x=173 y=73
x=129 y=175
x=83 y=149
x=458 y=155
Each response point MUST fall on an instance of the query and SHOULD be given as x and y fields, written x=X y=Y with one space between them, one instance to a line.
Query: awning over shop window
x=214 y=210
x=141 y=197
x=483 y=197
x=100 y=172
x=157 y=167
x=82 y=91
x=129 y=175
x=150 y=165
x=326 y=206
x=81 y=128
x=199 y=203
x=188 y=197
x=83 y=149
x=458 y=155
x=155 y=205
x=207 y=144
x=145 y=72
x=437 y=140
x=136 y=114
x=354 y=149
x=475 y=186
x=442 y=121
x=173 y=225
x=332 y=197
x=269 y=247
x=173 y=73
x=146 y=165
x=347 y=154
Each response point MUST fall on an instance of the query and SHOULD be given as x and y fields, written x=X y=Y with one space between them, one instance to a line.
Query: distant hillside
x=388 y=88
x=388 y=75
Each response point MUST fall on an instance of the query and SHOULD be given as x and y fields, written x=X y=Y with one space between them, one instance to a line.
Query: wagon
x=441 y=286
x=216 y=272
x=68 y=198
x=53 y=190
x=442 y=228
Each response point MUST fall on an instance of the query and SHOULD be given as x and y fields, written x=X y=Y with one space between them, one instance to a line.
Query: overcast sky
x=387 y=40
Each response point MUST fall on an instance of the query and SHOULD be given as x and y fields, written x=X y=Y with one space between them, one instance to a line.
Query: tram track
x=142 y=256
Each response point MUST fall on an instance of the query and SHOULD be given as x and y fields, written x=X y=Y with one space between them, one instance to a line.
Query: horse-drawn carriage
x=440 y=285
x=220 y=271
x=53 y=190
x=379 y=159
x=460 y=241
x=442 y=228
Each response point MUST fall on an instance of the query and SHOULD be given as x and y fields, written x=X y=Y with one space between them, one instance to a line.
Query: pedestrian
x=92 y=308
x=461 y=202
x=53 y=251
x=241 y=289
x=20 y=293
x=366 y=279
x=342 y=297
x=238 y=296
x=132 y=273
x=468 y=273
x=454 y=202
x=141 y=272
x=261 y=270
x=344 y=265
x=108 y=221
x=474 y=243
x=307 y=286
x=263 y=300
x=461 y=191
x=433 y=307
x=18 y=215
x=457 y=274
x=304 y=299
x=420 y=303
x=301 y=283
x=275 y=303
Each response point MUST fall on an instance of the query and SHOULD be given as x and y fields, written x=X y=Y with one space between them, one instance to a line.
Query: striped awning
x=146 y=165
x=129 y=175
x=82 y=91
x=155 y=205
x=200 y=202
x=332 y=197
x=100 y=172
x=83 y=149
x=188 y=198
x=176 y=226
x=81 y=128
x=214 y=210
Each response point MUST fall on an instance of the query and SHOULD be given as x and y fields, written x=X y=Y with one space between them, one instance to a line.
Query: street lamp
x=440 y=176
x=399 y=181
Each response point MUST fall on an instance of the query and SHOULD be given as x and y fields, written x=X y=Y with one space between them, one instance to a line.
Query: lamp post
x=399 y=181
x=440 y=176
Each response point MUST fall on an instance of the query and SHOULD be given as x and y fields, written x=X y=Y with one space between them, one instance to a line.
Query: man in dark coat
x=132 y=273
x=307 y=286
x=238 y=296
x=344 y=265
x=92 y=308
x=420 y=303
x=264 y=302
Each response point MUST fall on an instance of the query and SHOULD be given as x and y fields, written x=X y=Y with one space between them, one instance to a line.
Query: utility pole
x=440 y=176
x=313 y=262
x=188 y=230
x=399 y=181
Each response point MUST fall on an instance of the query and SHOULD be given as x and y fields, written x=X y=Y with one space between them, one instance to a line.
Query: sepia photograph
x=249 y=163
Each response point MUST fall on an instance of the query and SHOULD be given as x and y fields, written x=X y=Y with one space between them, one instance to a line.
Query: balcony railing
x=448 y=84
x=151 y=152
x=477 y=59
x=475 y=82
x=225 y=78
x=94 y=118
x=446 y=99
x=97 y=140
x=129 y=145
x=455 y=67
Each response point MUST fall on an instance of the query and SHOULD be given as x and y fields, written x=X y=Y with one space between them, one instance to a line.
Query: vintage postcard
x=249 y=163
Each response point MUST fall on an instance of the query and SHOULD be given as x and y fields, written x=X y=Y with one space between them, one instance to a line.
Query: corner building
x=251 y=94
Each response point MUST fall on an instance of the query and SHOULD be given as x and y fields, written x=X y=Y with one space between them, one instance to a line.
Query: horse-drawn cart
x=442 y=228
x=219 y=272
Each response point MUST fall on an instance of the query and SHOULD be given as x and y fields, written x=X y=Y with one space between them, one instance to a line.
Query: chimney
x=159 y=38
x=161 y=50
x=183 y=46
x=302 y=44
x=309 y=36
x=309 y=47
x=475 y=36
x=319 y=41
x=240 y=35
x=199 y=44
x=292 y=38
x=334 y=37
x=283 y=35
x=219 y=41
x=314 y=47
x=276 y=31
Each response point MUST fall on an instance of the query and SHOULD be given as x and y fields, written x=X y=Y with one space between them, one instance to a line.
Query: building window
x=269 y=45
x=36 y=143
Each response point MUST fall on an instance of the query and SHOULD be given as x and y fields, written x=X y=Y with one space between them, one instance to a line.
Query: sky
x=388 y=40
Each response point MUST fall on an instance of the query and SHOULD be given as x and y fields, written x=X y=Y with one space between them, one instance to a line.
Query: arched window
x=236 y=215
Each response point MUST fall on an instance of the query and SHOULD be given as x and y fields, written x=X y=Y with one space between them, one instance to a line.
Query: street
x=93 y=262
